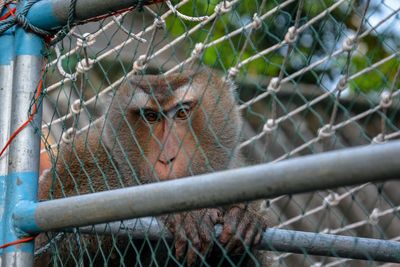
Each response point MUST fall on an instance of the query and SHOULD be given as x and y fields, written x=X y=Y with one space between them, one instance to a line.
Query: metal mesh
x=311 y=76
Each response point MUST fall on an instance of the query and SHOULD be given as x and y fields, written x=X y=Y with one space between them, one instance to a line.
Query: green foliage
x=378 y=78
x=319 y=40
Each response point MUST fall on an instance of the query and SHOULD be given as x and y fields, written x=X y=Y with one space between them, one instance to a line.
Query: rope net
x=310 y=76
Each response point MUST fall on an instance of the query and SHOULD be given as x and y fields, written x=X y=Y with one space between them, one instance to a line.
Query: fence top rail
x=54 y=14
x=315 y=172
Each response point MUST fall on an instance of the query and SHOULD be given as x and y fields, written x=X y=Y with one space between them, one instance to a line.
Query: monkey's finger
x=235 y=244
x=258 y=237
x=180 y=246
x=193 y=247
x=191 y=257
x=225 y=235
x=194 y=239
x=229 y=229
x=206 y=233
x=236 y=241
x=248 y=237
x=216 y=216
x=192 y=232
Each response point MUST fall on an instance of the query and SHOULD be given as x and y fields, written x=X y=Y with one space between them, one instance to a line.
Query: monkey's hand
x=242 y=227
x=193 y=232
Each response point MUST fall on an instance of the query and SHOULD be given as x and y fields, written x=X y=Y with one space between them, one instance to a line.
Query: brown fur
x=119 y=150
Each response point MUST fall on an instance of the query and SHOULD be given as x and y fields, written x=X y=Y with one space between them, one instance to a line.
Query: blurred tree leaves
x=321 y=39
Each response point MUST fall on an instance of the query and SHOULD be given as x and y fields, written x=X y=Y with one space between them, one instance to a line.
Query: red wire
x=19 y=241
x=10 y=12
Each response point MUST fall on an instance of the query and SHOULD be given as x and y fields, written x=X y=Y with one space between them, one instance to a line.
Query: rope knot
x=197 y=50
x=76 y=106
x=274 y=85
x=86 y=40
x=374 y=217
x=270 y=126
x=386 y=99
x=256 y=21
x=348 y=43
x=291 y=35
x=233 y=72
x=84 y=65
x=379 y=139
x=67 y=136
x=159 y=23
x=342 y=84
x=332 y=199
x=326 y=131
x=139 y=64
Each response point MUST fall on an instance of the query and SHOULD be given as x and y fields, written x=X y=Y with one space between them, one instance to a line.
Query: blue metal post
x=6 y=77
x=24 y=152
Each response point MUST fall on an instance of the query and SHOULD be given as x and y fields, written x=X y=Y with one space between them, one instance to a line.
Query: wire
x=11 y=11
x=19 y=241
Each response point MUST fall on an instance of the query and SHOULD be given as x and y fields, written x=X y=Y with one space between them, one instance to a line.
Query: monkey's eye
x=151 y=116
x=183 y=113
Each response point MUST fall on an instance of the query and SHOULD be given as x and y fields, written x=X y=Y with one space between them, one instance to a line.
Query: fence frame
x=21 y=214
x=7 y=59
x=21 y=184
x=273 y=239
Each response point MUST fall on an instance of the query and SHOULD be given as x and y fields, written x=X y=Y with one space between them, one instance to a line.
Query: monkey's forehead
x=164 y=99
x=160 y=84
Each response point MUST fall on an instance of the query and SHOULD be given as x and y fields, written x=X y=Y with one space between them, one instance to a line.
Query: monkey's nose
x=166 y=161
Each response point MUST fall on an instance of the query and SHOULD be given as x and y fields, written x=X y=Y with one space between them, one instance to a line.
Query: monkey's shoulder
x=84 y=163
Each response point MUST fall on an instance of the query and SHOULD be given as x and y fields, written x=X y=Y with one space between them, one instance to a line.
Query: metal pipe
x=24 y=151
x=7 y=58
x=331 y=245
x=53 y=14
x=273 y=240
x=315 y=172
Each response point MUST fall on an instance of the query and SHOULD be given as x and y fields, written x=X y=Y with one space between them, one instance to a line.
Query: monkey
x=157 y=128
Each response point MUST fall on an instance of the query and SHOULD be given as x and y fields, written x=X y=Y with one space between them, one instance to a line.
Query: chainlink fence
x=311 y=77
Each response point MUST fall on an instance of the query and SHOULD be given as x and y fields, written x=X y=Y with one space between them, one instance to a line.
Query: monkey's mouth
x=169 y=171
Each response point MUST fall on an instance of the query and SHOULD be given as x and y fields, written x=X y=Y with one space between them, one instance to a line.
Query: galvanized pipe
x=316 y=172
x=7 y=58
x=273 y=240
x=24 y=151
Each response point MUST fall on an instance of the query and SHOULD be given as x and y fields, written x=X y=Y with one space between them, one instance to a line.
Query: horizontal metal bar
x=316 y=172
x=273 y=240
x=53 y=14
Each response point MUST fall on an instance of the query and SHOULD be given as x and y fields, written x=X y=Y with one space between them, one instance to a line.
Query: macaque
x=159 y=128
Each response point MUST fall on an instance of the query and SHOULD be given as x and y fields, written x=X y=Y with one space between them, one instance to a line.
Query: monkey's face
x=171 y=145
x=173 y=127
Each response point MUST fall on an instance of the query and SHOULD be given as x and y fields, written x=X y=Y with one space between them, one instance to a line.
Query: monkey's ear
x=228 y=82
